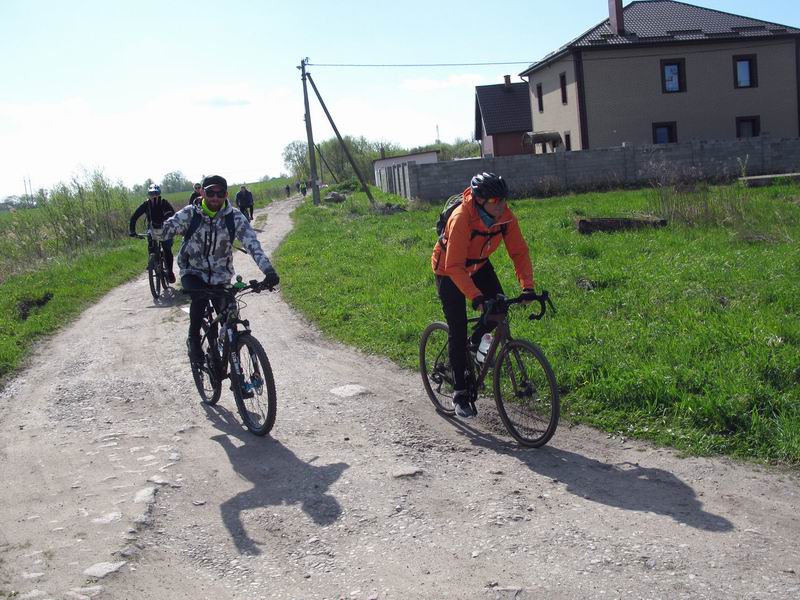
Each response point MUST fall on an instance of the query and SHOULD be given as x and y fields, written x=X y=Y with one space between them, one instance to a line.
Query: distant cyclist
x=460 y=261
x=206 y=255
x=197 y=194
x=157 y=211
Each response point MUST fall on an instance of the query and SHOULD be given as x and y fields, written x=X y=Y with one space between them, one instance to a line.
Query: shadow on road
x=625 y=485
x=278 y=477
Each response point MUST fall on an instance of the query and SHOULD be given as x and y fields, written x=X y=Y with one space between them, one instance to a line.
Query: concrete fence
x=545 y=174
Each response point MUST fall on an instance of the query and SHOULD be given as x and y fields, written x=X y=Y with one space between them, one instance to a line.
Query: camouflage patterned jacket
x=209 y=252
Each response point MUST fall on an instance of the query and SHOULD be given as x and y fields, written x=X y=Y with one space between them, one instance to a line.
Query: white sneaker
x=463 y=405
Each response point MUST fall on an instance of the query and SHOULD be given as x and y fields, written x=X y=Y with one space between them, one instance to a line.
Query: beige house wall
x=556 y=115
x=624 y=95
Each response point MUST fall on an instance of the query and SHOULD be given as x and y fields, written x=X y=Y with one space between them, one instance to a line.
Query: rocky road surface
x=118 y=483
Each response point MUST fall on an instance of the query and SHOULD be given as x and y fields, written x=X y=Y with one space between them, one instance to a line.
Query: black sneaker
x=463 y=405
x=196 y=355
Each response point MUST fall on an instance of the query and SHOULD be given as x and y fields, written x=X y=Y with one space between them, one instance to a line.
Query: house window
x=745 y=71
x=747 y=127
x=665 y=133
x=539 y=97
x=563 y=81
x=673 y=75
x=567 y=141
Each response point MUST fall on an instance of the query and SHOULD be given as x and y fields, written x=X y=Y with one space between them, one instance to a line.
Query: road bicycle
x=524 y=386
x=157 y=270
x=230 y=351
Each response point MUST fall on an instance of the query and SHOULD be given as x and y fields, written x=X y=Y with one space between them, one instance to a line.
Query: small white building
x=391 y=173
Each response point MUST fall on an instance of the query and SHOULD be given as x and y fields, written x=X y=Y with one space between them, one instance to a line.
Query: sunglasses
x=495 y=201
x=215 y=194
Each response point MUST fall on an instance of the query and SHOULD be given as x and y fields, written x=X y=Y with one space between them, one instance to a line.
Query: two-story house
x=502 y=118
x=660 y=71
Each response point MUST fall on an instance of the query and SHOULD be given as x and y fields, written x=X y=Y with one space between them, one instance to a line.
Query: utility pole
x=312 y=159
x=349 y=156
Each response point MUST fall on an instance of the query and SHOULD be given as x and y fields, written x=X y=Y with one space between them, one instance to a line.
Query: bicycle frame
x=501 y=335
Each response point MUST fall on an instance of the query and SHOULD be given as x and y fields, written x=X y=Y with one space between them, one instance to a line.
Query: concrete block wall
x=544 y=174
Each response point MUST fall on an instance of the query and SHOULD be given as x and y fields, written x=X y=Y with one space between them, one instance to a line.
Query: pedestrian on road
x=303 y=189
x=244 y=202
x=288 y=190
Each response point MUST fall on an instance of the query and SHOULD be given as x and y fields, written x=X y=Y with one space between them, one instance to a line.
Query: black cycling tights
x=455 y=313
x=193 y=283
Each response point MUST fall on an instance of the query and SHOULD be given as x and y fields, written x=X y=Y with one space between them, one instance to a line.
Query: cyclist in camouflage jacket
x=206 y=256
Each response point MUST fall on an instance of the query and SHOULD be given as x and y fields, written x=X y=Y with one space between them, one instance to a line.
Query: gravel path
x=120 y=484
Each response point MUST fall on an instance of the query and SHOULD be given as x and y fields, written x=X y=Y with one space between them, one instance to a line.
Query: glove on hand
x=477 y=302
x=271 y=278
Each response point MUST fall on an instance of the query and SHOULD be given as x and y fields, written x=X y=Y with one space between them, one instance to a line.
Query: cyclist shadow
x=278 y=476
x=169 y=298
x=624 y=485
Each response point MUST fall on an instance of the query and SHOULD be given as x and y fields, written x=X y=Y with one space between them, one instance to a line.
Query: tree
x=175 y=182
x=295 y=157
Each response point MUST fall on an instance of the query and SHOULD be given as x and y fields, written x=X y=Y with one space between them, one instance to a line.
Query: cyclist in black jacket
x=156 y=210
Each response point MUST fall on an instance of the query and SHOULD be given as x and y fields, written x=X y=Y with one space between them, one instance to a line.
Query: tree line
x=332 y=163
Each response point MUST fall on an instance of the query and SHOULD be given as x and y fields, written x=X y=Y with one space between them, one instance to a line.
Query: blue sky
x=142 y=88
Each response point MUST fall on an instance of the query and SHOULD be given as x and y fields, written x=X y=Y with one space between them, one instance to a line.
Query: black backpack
x=453 y=202
x=197 y=218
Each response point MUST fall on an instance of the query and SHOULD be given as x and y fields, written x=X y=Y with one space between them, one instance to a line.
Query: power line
x=476 y=64
x=532 y=63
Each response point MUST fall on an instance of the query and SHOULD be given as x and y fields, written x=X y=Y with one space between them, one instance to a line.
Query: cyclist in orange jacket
x=460 y=261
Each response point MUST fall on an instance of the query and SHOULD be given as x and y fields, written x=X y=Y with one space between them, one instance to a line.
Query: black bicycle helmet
x=489 y=185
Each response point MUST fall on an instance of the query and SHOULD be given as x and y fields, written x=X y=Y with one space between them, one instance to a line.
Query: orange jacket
x=469 y=242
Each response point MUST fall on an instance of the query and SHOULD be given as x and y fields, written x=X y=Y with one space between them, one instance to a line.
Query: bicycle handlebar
x=500 y=303
x=236 y=289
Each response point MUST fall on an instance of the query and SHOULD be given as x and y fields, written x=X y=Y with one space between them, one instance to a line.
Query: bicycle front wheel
x=526 y=393
x=253 y=386
x=434 y=366
x=154 y=278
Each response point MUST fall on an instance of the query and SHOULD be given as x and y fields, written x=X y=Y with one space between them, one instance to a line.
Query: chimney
x=508 y=81
x=616 y=17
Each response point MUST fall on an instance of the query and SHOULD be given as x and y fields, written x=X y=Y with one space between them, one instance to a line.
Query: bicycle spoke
x=255 y=388
x=526 y=394
x=434 y=364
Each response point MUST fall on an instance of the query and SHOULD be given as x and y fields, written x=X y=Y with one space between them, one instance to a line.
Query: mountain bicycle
x=231 y=352
x=523 y=383
x=157 y=270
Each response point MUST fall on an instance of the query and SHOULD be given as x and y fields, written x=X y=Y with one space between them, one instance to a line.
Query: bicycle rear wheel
x=434 y=366
x=526 y=393
x=154 y=278
x=207 y=376
x=254 y=387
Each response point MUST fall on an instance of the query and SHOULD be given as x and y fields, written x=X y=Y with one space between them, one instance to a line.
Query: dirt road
x=110 y=464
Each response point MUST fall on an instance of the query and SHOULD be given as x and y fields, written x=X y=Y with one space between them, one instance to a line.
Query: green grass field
x=685 y=335
x=72 y=284
x=74 y=279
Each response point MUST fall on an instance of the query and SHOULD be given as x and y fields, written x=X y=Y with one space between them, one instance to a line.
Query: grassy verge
x=686 y=335
x=71 y=286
